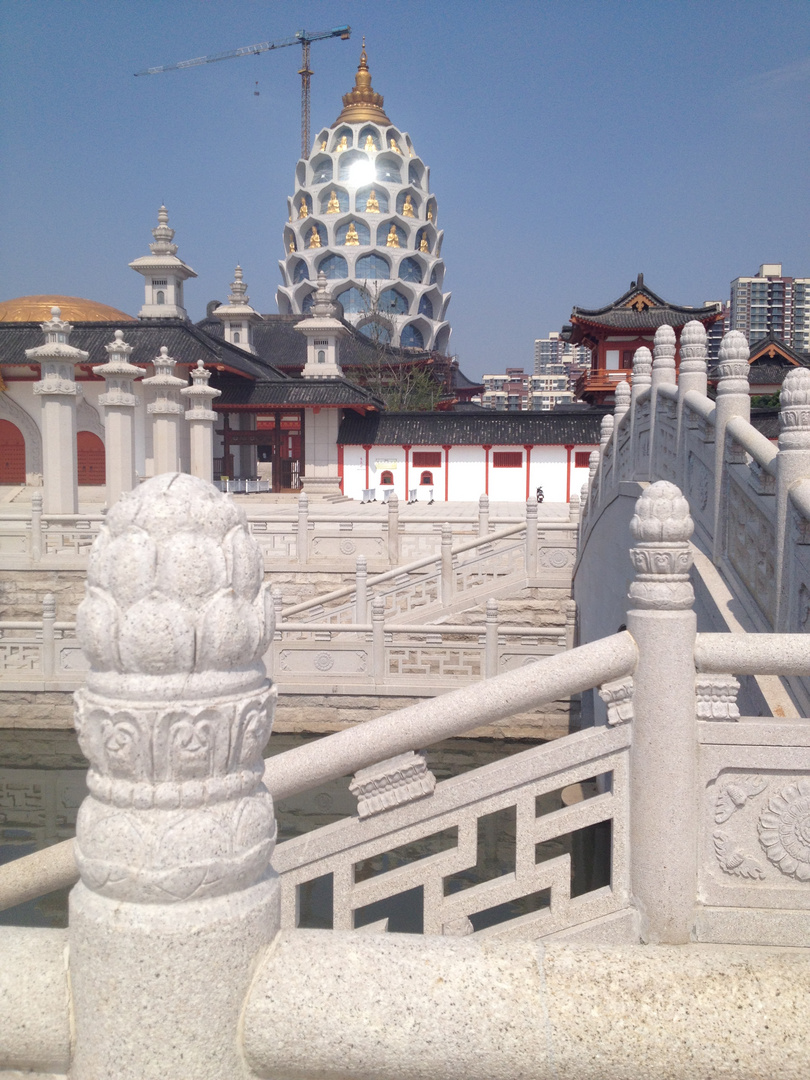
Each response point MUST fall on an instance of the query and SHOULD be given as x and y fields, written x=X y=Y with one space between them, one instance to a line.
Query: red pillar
x=528 y=447
x=340 y=465
x=568 y=450
x=486 y=450
x=446 y=472
x=367 y=448
x=407 y=448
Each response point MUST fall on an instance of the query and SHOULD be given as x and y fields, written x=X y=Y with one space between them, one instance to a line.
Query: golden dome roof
x=362 y=103
x=73 y=308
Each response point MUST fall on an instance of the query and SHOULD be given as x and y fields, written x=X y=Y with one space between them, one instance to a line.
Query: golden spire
x=362 y=103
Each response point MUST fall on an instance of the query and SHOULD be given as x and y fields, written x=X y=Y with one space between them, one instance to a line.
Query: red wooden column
x=528 y=447
x=446 y=449
x=407 y=448
x=367 y=448
x=569 y=448
x=486 y=450
x=340 y=465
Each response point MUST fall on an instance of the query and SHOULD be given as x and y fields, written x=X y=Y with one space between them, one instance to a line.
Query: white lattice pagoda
x=363 y=215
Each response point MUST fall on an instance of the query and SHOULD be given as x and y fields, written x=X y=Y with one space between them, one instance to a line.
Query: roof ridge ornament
x=362 y=102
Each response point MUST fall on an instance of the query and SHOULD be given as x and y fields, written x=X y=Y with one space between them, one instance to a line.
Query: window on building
x=627 y=359
x=372 y=268
x=161 y=297
x=393 y=302
x=321 y=356
x=387 y=477
x=322 y=171
x=410 y=270
x=507 y=459
x=334 y=266
x=300 y=273
x=411 y=337
x=426 y=478
x=432 y=458
x=582 y=459
x=236 y=337
x=425 y=307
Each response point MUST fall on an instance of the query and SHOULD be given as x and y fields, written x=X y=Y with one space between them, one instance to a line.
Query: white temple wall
x=466 y=473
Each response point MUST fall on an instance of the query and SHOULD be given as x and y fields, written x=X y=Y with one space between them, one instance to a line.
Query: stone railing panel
x=751 y=541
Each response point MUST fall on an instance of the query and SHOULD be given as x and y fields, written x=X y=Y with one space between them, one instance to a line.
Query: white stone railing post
x=491 y=639
x=692 y=375
x=574 y=508
x=621 y=406
x=447 y=576
x=483 y=515
x=119 y=403
x=605 y=435
x=378 y=637
x=642 y=380
x=570 y=623
x=57 y=391
x=531 y=538
x=166 y=411
x=201 y=418
x=732 y=400
x=663 y=374
x=593 y=487
x=302 y=532
x=361 y=590
x=393 y=529
x=278 y=613
x=663 y=755
x=36 y=526
x=792 y=465
x=48 y=635
x=177 y=895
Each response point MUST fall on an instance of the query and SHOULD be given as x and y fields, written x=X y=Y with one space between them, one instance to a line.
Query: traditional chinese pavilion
x=613 y=334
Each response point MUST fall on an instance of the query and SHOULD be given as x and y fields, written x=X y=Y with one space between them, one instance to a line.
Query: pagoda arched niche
x=356 y=299
x=383 y=232
x=301 y=174
x=372 y=267
x=416 y=201
x=323 y=169
x=413 y=336
x=363 y=139
x=388 y=169
x=342 y=231
x=16 y=415
x=394 y=301
x=425 y=306
x=347 y=160
x=398 y=138
x=416 y=174
x=341 y=134
x=300 y=272
x=334 y=266
x=437 y=275
x=298 y=198
x=290 y=238
x=361 y=199
x=427 y=232
x=321 y=141
x=431 y=208
x=306 y=234
x=442 y=339
x=326 y=198
x=307 y=301
x=300 y=294
x=411 y=269
x=377 y=330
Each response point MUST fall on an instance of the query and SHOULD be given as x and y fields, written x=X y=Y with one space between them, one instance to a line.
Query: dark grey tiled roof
x=186 y=342
x=459 y=381
x=660 y=313
x=298 y=392
x=581 y=427
x=766 y=374
x=279 y=343
x=766 y=421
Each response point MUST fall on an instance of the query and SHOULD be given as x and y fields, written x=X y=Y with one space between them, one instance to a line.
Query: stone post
x=570 y=623
x=574 y=508
x=491 y=639
x=165 y=411
x=663 y=755
x=201 y=417
x=642 y=380
x=621 y=468
x=119 y=403
x=57 y=391
x=378 y=638
x=277 y=611
x=732 y=400
x=447 y=581
x=36 y=526
x=692 y=376
x=531 y=538
x=393 y=529
x=360 y=590
x=177 y=896
x=663 y=374
x=483 y=515
x=593 y=487
x=793 y=465
x=302 y=531
x=48 y=635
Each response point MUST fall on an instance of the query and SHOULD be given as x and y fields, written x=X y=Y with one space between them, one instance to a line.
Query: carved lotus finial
x=606 y=427
x=642 y=362
x=662 y=514
x=622 y=395
x=733 y=348
x=693 y=335
x=795 y=388
x=664 y=337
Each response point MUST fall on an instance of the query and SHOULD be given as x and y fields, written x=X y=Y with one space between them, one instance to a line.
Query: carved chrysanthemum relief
x=784 y=829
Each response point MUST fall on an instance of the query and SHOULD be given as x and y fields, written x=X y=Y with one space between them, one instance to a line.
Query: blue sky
x=571 y=145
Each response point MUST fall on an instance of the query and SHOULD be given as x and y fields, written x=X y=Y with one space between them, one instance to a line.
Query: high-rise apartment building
x=555 y=357
x=769 y=302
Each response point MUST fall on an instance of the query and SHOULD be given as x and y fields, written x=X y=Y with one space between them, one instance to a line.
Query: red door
x=12 y=454
x=90 y=454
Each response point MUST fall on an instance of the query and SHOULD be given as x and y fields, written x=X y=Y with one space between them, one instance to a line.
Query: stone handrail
x=699 y=404
x=761 y=449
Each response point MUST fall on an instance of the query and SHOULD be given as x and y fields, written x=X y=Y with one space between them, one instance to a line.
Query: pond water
x=42 y=784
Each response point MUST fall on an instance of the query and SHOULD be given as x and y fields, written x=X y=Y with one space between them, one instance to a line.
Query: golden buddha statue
x=323 y=144
x=430 y=215
x=407 y=207
x=352 y=239
x=343 y=144
x=393 y=239
x=333 y=206
x=372 y=206
x=393 y=145
x=303 y=209
x=292 y=245
x=423 y=244
x=314 y=238
x=369 y=145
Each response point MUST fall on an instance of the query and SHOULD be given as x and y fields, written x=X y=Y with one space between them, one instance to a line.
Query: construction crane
x=304 y=38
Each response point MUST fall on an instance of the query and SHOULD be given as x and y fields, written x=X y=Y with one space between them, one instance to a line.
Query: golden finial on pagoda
x=343 y=144
x=423 y=244
x=362 y=103
x=303 y=209
x=392 y=143
x=352 y=239
x=393 y=238
x=333 y=206
x=407 y=207
x=314 y=238
x=372 y=205
x=369 y=146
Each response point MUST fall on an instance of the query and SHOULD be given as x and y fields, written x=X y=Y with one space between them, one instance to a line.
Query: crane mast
x=304 y=38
